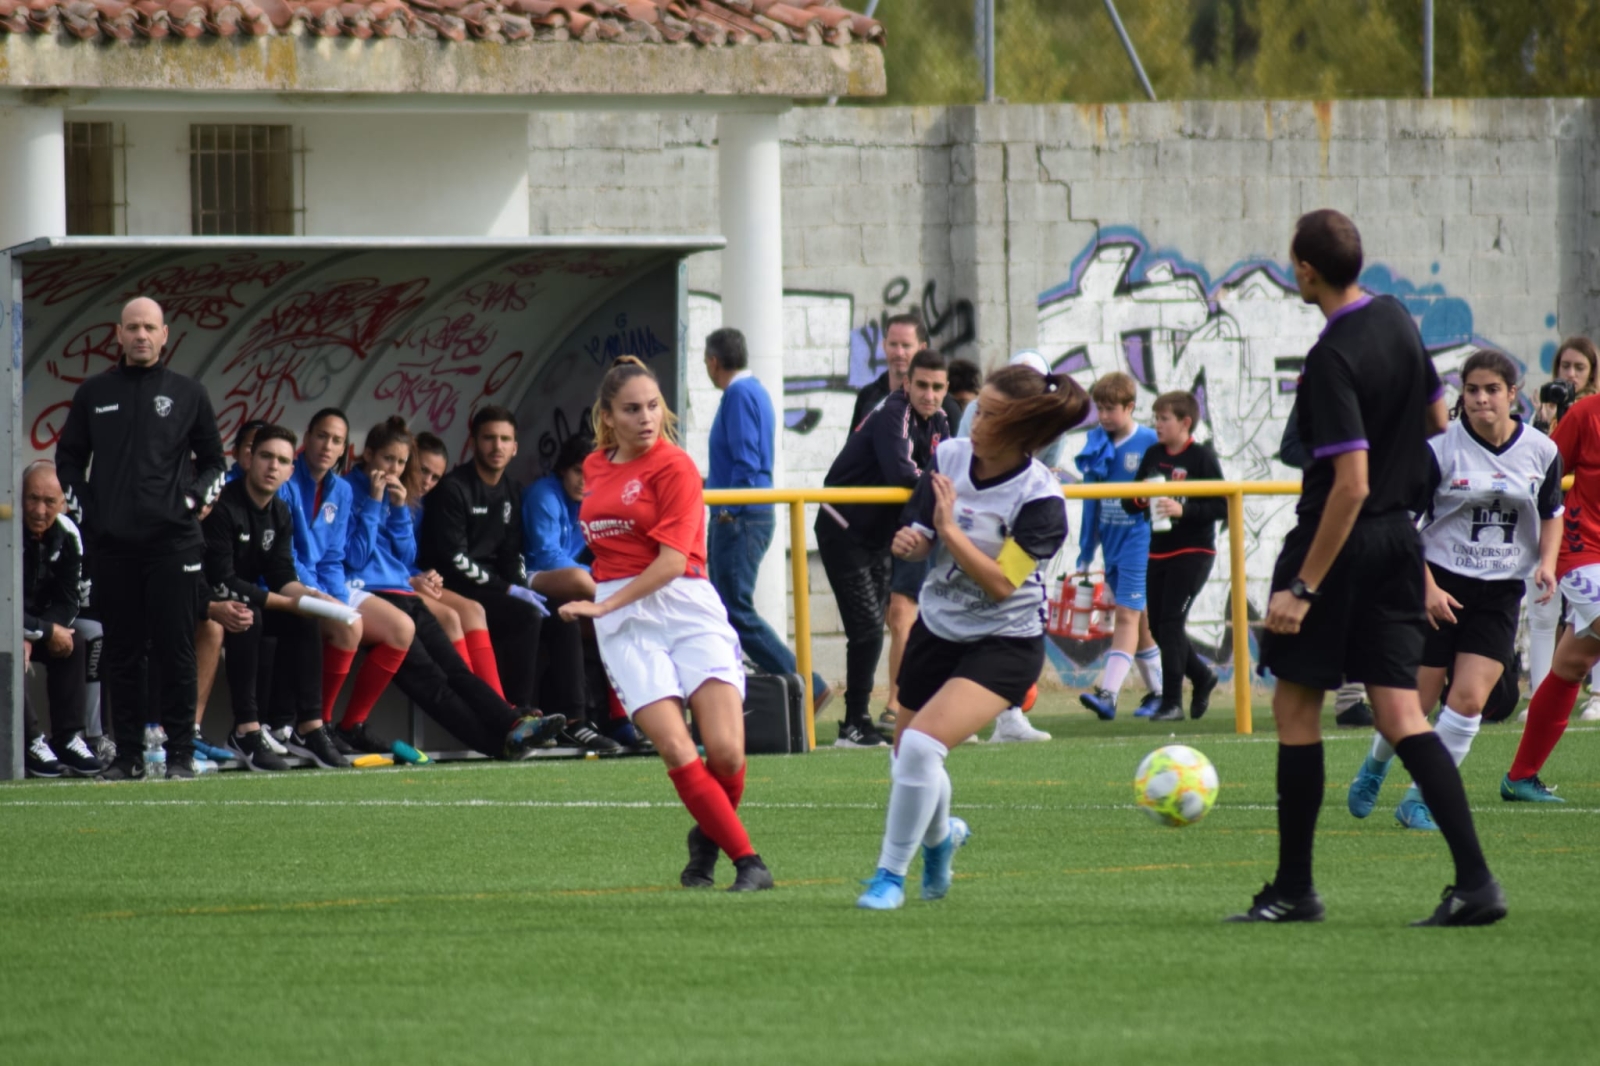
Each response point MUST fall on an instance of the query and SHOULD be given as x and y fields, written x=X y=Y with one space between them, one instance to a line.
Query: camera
x=1558 y=394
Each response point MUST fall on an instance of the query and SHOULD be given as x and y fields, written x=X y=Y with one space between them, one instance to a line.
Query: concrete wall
x=1151 y=238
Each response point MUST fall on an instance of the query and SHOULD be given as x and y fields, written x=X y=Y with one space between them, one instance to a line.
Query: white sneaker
x=275 y=739
x=1591 y=710
x=1012 y=727
x=1522 y=715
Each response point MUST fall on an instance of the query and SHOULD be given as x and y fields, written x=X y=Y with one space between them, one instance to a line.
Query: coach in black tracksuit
x=140 y=423
x=52 y=577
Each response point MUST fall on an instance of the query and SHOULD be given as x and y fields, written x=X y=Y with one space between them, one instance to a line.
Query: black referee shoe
x=753 y=875
x=1200 y=698
x=702 y=869
x=586 y=738
x=317 y=745
x=1481 y=906
x=1270 y=905
x=1169 y=712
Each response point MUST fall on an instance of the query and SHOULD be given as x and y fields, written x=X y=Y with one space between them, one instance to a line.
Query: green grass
x=483 y=914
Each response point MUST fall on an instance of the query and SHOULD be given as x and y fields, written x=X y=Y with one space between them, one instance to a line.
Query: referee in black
x=1347 y=590
x=158 y=462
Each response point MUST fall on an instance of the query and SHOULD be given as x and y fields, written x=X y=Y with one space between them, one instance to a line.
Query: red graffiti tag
x=206 y=293
x=493 y=296
x=57 y=278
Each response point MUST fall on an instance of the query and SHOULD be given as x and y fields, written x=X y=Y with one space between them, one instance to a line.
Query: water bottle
x=155 y=753
x=1082 y=609
x=1159 y=523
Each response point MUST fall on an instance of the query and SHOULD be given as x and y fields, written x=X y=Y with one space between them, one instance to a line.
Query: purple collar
x=1355 y=305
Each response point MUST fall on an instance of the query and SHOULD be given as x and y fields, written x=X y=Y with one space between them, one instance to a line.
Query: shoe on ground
x=887 y=720
x=1363 y=795
x=252 y=749
x=1148 y=706
x=1481 y=906
x=182 y=768
x=1169 y=712
x=203 y=748
x=278 y=739
x=701 y=872
x=1356 y=716
x=1030 y=699
x=1591 y=710
x=76 y=757
x=317 y=745
x=938 y=862
x=1270 y=905
x=585 y=737
x=860 y=735
x=1527 y=790
x=531 y=732
x=885 y=892
x=123 y=770
x=104 y=748
x=750 y=875
x=1103 y=702
x=1200 y=698
x=628 y=735
x=1414 y=814
x=340 y=744
x=39 y=760
x=1012 y=728
x=359 y=741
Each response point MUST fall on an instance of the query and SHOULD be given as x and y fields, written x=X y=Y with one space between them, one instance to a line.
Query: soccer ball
x=1175 y=785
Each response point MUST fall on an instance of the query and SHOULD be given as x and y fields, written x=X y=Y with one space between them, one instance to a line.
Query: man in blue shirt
x=742 y=435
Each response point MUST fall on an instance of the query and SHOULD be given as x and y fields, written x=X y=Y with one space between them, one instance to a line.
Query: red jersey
x=1577 y=437
x=631 y=509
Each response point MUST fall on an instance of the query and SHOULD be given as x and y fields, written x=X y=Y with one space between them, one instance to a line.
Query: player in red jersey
x=662 y=630
x=1577 y=437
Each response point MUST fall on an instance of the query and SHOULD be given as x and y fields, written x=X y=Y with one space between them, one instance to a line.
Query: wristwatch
x=1300 y=591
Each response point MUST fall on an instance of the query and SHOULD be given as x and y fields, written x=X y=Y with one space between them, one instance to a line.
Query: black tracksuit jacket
x=891 y=448
x=247 y=545
x=52 y=577
x=472 y=533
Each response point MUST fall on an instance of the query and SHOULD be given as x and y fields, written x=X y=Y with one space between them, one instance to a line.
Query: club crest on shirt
x=1130 y=462
x=505 y=512
x=330 y=511
x=630 y=492
x=267 y=537
x=1460 y=484
x=163 y=406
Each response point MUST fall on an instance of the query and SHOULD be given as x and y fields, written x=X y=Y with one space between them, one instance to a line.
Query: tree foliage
x=1050 y=50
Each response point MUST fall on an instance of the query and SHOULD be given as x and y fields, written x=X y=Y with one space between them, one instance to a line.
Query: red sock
x=462 y=650
x=708 y=803
x=732 y=785
x=335 y=668
x=1548 y=714
x=617 y=710
x=480 y=656
x=380 y=665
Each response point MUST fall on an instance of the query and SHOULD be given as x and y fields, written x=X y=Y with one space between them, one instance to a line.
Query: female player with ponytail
x=991 y=514
x=662 y=630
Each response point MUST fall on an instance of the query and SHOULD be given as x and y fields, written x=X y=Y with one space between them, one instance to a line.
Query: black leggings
x=514 y=627
x=435 y=679
x=277 y=662
x=1171 y=584
x=149 y=607
x=860 y=580
x=66 y=685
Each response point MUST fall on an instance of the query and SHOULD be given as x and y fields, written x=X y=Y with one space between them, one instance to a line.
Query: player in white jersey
x=992 y=515
x=1492 y=521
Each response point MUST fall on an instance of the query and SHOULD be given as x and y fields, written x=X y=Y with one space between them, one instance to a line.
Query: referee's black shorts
x=1486 y=621
x=1368 y=625
x=1006 y=666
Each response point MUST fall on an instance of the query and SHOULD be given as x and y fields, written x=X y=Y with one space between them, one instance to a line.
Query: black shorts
x=1486 y=621
x=906 y=578
x=1006 y=666
x=1368 y=624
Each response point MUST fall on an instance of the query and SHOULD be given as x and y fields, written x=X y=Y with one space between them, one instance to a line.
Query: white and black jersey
x=1023 y=507
x=1487 y=503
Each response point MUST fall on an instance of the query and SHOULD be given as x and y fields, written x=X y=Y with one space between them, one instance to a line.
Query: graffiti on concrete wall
x=1238 y=341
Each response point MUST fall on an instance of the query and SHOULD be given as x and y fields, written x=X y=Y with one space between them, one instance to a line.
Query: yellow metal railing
x=1235 y=491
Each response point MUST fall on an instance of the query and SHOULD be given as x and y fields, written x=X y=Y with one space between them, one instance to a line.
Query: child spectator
x=1113 y=453
x=1181 y=555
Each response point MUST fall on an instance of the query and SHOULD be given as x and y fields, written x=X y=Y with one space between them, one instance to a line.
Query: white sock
x=1456 y=732
x=939 y=826
x=1382 y=750
x=1149 y=662
x=914 y=797
x=1543 y=621
x=1594 y=681
x=1118 y=663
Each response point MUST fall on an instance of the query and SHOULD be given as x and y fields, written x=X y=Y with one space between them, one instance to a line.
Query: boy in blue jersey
x=1113 y=453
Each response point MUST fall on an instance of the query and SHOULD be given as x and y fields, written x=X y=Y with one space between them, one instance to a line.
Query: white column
x=33 y=174
x=751 y=198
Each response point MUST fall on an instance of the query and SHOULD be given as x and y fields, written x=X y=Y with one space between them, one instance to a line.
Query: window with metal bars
x=241 y=180
x=96 y=163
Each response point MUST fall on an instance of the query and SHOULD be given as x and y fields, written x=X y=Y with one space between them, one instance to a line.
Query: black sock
x=1302 y=778
x=1435 y=773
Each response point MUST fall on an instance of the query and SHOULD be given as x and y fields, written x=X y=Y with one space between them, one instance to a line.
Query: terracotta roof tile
x=706 y=22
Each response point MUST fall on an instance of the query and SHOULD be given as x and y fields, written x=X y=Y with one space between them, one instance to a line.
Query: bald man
x=158 y=462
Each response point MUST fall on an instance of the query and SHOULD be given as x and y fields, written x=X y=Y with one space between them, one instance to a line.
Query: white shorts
x=668 y=644
x=356 y=598
x=1581 y=587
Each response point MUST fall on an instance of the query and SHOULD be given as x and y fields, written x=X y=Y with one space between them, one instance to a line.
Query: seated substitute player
x=250 y=560
x=1493 y=521
x=1112 y=453
x=1347 y=590
x=432 y=672
x=996 y=515
x=1182 y=556
x=553 y=548
x=1577 y=437
x=662 y=629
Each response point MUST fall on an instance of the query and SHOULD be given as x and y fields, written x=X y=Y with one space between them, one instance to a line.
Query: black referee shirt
x=1367 y=386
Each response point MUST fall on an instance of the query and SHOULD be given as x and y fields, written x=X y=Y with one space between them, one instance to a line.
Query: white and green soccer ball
x=1175 y=785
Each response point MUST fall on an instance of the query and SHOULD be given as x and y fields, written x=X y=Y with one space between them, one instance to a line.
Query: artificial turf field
x=530 y=913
